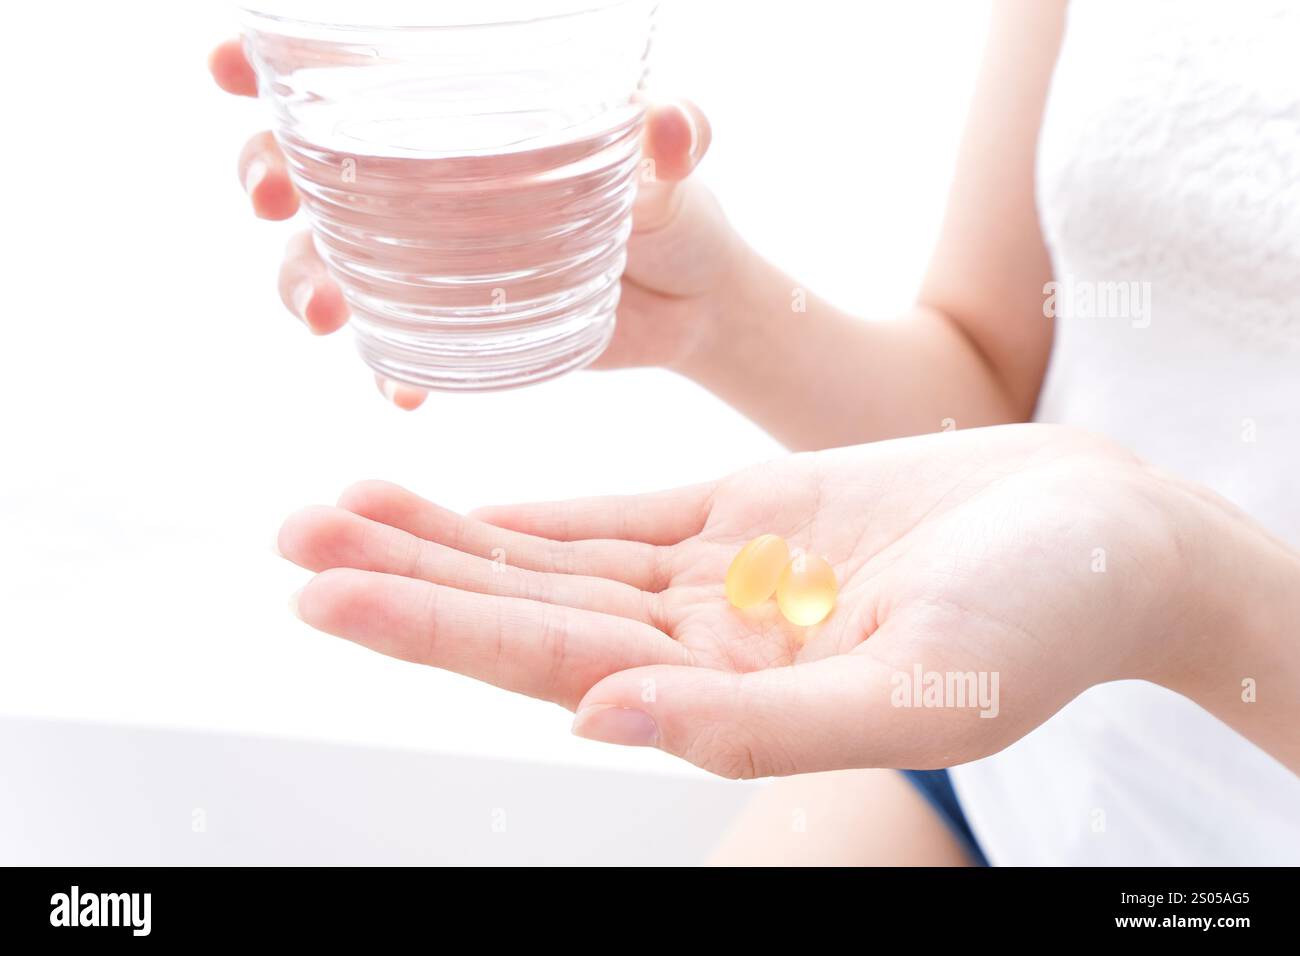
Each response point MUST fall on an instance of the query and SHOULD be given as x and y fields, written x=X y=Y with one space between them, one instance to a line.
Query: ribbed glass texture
x=469 y=185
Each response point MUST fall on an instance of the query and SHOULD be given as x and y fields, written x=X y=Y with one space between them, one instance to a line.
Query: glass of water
x=468 y=170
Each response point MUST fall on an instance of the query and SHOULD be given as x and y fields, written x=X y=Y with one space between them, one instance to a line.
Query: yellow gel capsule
x=752 y=577
x=806 y=590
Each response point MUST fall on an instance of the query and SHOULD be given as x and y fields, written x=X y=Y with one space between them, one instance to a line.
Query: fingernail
x=254 y=175
x=389 y=388
x=293 y=603
x=616 y=725
x=301 y=298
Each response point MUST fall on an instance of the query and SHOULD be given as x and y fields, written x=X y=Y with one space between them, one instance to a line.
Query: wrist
x=1237 y=655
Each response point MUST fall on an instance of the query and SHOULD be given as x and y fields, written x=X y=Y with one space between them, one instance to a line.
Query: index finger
x=638 y=563
x=231 y=69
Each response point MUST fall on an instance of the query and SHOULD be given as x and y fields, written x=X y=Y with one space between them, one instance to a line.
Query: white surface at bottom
x=93 y=795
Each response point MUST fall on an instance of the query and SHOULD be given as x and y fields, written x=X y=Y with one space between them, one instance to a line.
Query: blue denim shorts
x=936 y=787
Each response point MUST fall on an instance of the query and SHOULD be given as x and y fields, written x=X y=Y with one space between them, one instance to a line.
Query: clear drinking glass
x=468 y=170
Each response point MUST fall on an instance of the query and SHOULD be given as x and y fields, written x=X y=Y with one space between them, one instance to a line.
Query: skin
x=839 y=818
x=944 y=547
x=966 y=552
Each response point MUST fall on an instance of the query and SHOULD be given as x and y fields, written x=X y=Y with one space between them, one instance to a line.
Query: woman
x=1127 y=204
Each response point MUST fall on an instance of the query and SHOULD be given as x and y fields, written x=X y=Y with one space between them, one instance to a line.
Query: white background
x=160 y=413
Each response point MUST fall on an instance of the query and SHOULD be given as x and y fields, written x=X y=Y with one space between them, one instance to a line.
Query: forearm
x=976 y=353
x=816 y=377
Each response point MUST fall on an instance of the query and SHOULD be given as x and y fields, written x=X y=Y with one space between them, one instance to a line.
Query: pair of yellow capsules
x=804 y=585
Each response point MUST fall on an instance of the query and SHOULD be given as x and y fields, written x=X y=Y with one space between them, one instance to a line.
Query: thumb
x=825 y=715
x=677 y=135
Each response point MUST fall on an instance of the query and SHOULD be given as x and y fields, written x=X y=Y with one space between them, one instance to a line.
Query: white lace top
x=1169 y=192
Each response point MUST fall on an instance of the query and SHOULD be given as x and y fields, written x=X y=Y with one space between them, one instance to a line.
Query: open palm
x=968 y=553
